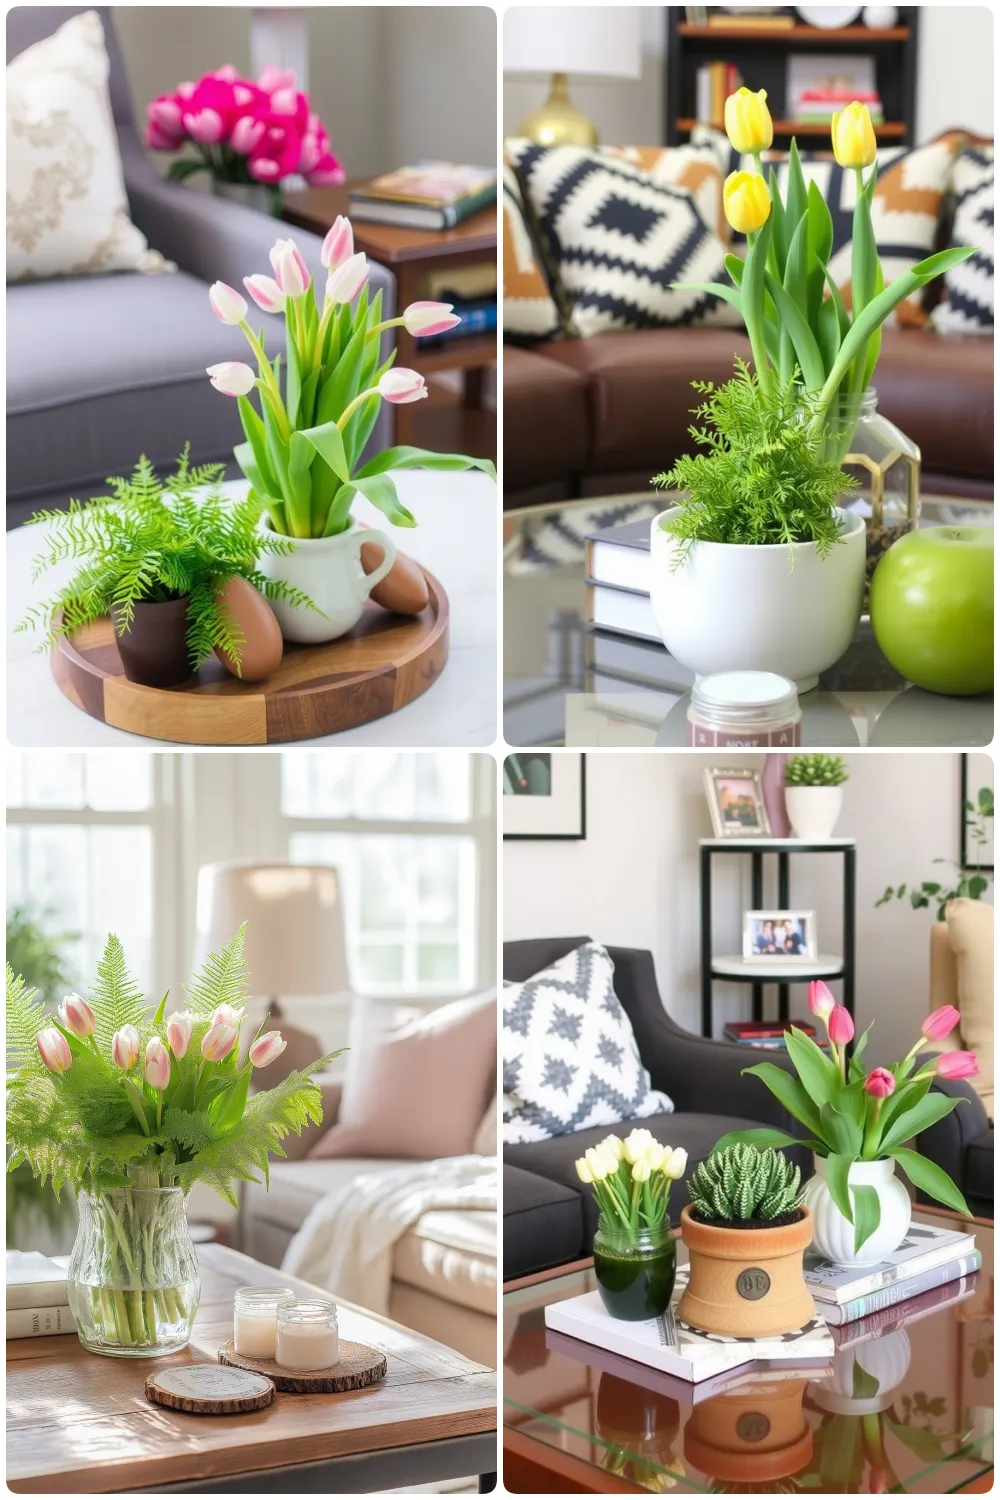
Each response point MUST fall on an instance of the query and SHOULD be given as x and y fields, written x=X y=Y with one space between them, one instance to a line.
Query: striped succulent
x=742 y=1183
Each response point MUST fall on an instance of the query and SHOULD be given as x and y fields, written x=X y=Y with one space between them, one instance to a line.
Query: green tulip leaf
x=843 y=1134
x=925 y=1113
x=867 y=1214
x=931 y=1179
x=793 y=322
x=420 y=458
x=819 y=1073
x=763 y=1137
x=779 y=232
x=790 y=1092
x=837 y=1169
x=381 y=492
x=714 y=289
x=795 y=193
x=905 y=1095
x=326 y=440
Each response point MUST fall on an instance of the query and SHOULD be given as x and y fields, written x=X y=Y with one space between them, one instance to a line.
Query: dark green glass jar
x=635 y=1272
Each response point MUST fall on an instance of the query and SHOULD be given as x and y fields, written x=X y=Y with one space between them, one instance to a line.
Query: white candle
x=255 y=1319
x=307 y=1334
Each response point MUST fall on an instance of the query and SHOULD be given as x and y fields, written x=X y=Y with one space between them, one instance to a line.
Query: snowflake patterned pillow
x=570 y=1059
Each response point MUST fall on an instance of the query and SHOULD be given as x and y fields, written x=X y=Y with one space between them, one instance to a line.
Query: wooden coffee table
x=80 y=1423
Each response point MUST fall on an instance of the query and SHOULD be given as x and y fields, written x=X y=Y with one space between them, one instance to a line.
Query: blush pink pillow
x=422 y=1090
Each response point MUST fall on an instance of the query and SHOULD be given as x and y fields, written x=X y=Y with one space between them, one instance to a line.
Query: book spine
x=37 y=1294
x=36 y=1322
x=894 y=1276
x=903 y=1291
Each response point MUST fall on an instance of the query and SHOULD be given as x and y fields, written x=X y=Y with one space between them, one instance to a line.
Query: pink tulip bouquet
x=852 y=1114
x=243 y=131
x=304 y=445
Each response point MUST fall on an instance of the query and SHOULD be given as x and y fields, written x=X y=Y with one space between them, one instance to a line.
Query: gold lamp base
x=559 y=122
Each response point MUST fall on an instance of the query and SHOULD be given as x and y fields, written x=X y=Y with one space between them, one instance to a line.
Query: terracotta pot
x=154 y=647
x=747 y=1283
x=754 y=1436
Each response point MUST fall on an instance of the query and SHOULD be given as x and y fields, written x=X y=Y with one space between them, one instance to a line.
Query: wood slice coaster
x=209 y=1390
x=359 y=1365
x=381 y=665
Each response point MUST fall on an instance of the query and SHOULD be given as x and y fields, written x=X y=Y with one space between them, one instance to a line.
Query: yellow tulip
x=637 y=1144
x=583 y=1171
x=641 y=1170
x=746 y=200
x=853 y=136
x=748 y=121
x=614 y=1145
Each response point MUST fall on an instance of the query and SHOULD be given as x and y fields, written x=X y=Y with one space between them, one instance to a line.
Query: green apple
x=932 y=608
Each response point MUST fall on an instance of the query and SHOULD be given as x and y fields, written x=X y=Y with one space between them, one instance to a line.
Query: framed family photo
x=736 y=803
x=544 y=795
x=776 y=935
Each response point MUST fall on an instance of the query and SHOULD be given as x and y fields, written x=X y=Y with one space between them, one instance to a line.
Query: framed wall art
x=544 y=795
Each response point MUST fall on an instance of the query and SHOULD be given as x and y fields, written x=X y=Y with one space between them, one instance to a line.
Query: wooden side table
x=410 y=254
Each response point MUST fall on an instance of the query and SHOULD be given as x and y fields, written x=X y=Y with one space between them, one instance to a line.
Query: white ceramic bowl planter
x=833 y=1236
x=813 y=810
x=780 y=608
x=327 y=569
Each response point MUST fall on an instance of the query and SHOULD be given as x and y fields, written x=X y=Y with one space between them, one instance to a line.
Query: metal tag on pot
x=753 y=1283
x=753 y=1426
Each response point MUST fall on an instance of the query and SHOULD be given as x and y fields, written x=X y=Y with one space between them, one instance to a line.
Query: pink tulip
x=158 y=140
x=280 y=144
x=246 y=134
x=344 y=284
x=218 y=1041
x=227 y=304
x=54 y=1050
x=204 y=125
x=290 y=270
x=840 y=1026
x=285 y=101
x=424 y=319
x=266 y=292
x=166 y=113
x=231 y=377
x=266 y=1048
x=77 y=1016
x=326 y=173
x=157 y=1064
x=228 y=73
x=880 y=1083
x=956 y=1065
x=179 y=1032
x=941 y=1023
x=276 y=78
x=228 y=1015
x=263 y=169
x=339 y=243
x=125 y=1048
x=821 y=1001
x=403 y=386
x=185 y=90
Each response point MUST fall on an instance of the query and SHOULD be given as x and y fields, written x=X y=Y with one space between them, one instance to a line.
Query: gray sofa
x=103 y=368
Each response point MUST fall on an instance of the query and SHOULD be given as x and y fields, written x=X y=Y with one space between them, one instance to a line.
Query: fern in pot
x=814 y=794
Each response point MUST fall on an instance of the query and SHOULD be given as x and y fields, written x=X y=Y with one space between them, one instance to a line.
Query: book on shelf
x=924 y=1248
x=461 y=283
x=34 y=1281
x=714 y=82
x=769 y=1035
x=818 y=106
x=37 y=1322
x=748 y=20
x=877 y=1311
x=433 y=195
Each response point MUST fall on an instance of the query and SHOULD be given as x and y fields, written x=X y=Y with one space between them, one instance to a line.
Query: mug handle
x=372 y=580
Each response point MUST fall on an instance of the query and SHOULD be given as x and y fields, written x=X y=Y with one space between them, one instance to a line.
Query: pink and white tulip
x=344 y=284
x=880 y=1083
x=166 y=114
x=941 y=1023
x=246 y=134
x=205 y=125
x=228 y=1015
x=54 y=1050
x=274 y=78
x=326 y=173
x=179 y=1032
x=339 y=243
x=77 y=1016
x=402 y=386
x=231 y=377
x=425 y=319
x=266 y=1048
x=956 y=1065
x=266 y=292
x=227 y=304
x=157 y=1064
x=821 y=1000
x=125 y=1048
x=840 y=1026
x=218 y=1041
x=290 y=270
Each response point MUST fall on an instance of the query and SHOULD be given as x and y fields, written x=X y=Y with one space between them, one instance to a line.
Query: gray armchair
x=103 y=368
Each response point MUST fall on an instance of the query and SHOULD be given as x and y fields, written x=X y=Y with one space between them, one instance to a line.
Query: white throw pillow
x=67 y=214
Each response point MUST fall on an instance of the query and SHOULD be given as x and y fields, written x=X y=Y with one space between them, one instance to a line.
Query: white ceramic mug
x=328 y=569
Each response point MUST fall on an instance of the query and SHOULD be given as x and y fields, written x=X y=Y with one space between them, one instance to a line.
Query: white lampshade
x=596 y=41
x=295 y=924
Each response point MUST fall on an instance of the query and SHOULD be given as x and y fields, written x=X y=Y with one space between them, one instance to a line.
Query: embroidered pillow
x=67 y=214
x=570 y=1059
x=967 y=306
x=529 y=312
x=694 y=168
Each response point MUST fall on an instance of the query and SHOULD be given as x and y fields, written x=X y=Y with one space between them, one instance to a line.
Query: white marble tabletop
x=456 y=538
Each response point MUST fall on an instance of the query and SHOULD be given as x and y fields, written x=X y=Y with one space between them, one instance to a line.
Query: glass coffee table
x=906 y=1410
x=566 y=683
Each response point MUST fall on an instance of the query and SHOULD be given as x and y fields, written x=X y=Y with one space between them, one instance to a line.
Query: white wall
x=634 y=880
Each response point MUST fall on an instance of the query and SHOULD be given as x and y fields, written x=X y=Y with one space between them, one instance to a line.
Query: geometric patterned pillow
x=621 y=241
x=529 y=313
x=570 y=1060
x=967 y=306
x=694 y=168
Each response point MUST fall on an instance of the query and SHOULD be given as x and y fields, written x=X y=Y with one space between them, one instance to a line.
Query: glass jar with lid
x=751 y=709
x=308 y=1337
x=255 y=1319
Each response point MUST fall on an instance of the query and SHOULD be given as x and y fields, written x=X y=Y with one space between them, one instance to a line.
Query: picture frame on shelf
x=779 y=936
x=736 y=803
x=977 y=772
x=544 y=795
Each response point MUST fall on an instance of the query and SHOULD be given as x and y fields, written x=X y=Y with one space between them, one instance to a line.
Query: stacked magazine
x=37 y=1297
x=928 y=1257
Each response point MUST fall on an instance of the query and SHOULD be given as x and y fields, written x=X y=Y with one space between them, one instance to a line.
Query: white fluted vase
x=833 y=1235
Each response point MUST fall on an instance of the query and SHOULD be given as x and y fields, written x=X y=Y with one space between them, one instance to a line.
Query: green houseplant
x=130 y=1109
x=746 y=1231
x=971 y=881
x=156 y=555
x=813 y=795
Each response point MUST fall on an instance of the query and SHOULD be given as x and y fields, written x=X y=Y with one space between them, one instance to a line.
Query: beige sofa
x=966 y=938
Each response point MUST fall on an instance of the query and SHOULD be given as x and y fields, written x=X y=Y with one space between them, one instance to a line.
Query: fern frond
x=25 y=1019
x=222 y=980
x=117 y=999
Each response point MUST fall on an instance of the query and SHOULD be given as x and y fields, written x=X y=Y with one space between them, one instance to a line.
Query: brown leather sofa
x=599 y=416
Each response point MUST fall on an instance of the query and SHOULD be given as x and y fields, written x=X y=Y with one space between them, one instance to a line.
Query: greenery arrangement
x=153 y=540
x=744 y=1186
x=815 y=770
x=631 y=1180
x=971 y=882
x=850 y=1114
x=764 y=478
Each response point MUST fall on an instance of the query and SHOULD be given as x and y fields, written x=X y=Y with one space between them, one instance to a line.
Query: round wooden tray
x=359 y=1365
x=207 y=1391
x=384 y=663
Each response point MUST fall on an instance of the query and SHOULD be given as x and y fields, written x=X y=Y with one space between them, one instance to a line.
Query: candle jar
x=255 y=1319
x=307 y=1334
x=757 y=710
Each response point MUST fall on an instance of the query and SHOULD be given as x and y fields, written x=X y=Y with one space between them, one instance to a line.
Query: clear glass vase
x=635 y=1270
x=133 y=1274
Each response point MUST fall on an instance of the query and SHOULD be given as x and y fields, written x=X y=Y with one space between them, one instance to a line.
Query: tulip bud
x=266 y=1048
x=840 y=1026
x=746 y=200
x=207 y=126
x=595 y=1161
x=338 y=246
x=637 y=1143
x=615 y=1145
x=748 y=121
x=402 y=386
x=165 y=113
x=266 y=292
x=246 y=134
x=125 y=1048
x=880 y=1083
x=677 y=1165
x=265 y=169
x=583 y=1171
x=853 y=136
x=54 y=1050
x=179 y=1032
x=956 y=1065
x=227 y=304
x=232 y=378
x=157 y=1064
x=228 y=1015
x=290 y=270
x=77 y=1016
x=641 y=1171
x=424 y=319
x=218 y=1041
x=821 y=1001
x=344 y=284
x=941 y=1023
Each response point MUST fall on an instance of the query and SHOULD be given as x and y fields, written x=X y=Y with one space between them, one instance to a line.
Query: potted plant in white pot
x=814 y=794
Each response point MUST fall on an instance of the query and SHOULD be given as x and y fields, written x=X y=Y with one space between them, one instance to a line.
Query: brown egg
x=254 y=618
x=404 y=587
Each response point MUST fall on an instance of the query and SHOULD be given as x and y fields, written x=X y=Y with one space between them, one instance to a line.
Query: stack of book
x=928 y=1258
x=617 y=564
x=818 y=106
x=768 y=1034
x=37 y=1298
x=714 y=82
x=434 y=195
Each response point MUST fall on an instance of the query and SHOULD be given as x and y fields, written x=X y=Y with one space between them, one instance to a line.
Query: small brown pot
x=154 y=647
x=747 y=1283
x=755 y=1436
